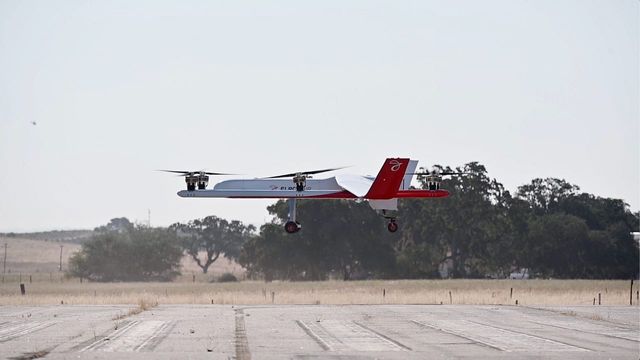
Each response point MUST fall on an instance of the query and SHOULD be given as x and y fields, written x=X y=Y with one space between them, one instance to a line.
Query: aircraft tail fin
x=389 y=179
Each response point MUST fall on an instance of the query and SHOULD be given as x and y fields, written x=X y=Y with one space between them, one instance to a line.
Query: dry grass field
x=221 y=266
x=35 y=263
x=481 y=292
x=35 y=256
x=41 y=260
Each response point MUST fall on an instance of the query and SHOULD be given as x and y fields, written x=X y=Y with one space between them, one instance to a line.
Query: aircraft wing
x=355 y=184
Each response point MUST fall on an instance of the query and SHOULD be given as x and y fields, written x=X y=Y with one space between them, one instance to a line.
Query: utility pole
x=61 y=246
x=4 y=264
x=149 y=218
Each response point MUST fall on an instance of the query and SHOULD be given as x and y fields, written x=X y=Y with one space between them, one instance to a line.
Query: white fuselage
x=267 y=188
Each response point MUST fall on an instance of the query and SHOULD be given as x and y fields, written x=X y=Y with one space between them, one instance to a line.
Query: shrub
x=227 y=277
x=134 y=254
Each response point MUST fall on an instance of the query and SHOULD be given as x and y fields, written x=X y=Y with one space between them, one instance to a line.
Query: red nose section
x=388 y=181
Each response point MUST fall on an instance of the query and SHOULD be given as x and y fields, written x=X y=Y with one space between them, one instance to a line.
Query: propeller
x=312 y=172
x=437 y=173
x=186 y=173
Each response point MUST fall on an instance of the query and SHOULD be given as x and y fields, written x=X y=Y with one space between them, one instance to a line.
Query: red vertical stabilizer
x=388 y=181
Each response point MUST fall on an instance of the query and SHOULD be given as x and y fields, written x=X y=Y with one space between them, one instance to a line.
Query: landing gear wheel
x=392 y=226
x=292 y=227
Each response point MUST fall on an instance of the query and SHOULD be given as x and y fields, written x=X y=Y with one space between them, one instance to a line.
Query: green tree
x=136 y=254
x=213 y=236
x=480 y=230
x=558 y=246
x=422 y=244
x=612 y=251
x=116 y=224
x=418 y=261
x=470 y=229
x=544 y=195
x=273 y=254
x=337 y=236
x=608 y=250
x=514 y=251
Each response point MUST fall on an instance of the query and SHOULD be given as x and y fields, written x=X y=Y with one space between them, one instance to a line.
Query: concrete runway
x=320 y=332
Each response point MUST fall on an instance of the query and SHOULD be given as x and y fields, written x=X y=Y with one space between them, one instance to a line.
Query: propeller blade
x=321 y=171
x=312 y=172
x=282 y=176
x=453 y=173
x=176 y=171
x=216 y=173
x=183 y=173
x=438 y=173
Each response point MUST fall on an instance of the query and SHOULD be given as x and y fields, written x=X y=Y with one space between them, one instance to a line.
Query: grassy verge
x=473 y=292
x=143 y=305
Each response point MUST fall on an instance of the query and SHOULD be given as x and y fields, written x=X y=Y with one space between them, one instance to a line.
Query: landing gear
x=292 y=226
x=392 y=226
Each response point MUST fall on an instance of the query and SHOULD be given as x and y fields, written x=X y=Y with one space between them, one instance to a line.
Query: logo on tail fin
x=395 y=165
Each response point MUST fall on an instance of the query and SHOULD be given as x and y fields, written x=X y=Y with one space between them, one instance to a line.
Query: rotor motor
x=433 y=181
x=433 y=178
x=199 y=179
x=196 y=180
x=301 y=181
x=300 y=178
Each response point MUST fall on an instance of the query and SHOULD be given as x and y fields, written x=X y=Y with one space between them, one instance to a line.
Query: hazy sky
x=120 y=88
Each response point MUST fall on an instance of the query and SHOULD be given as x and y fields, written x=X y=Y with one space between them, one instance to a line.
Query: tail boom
x=422 y=193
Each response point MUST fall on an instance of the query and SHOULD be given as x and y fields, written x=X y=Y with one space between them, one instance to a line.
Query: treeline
x=122 y=251
x=482 y=230
x=70 y=236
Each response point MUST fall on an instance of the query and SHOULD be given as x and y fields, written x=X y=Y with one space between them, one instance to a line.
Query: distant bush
x=133 y=254
x=227 y=277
